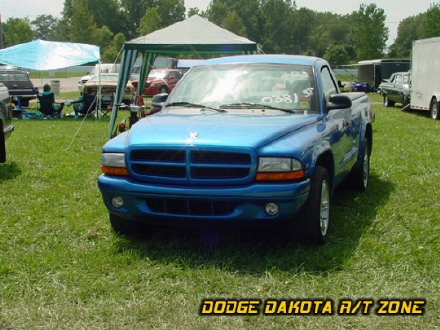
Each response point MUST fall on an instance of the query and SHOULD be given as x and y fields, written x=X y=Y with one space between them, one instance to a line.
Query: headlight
x=113 y=164
x=279 y=169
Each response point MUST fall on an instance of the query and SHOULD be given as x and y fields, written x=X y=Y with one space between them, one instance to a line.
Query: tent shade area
x=192 y=36
x=49 y=55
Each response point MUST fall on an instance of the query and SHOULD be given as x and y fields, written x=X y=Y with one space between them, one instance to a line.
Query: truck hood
x=215 y=129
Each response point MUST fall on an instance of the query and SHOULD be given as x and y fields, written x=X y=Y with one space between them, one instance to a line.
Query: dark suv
x=6 y=127
x=19 y=85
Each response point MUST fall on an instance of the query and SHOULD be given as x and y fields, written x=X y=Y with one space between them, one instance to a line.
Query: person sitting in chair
x=85 y=104
x=48 y=106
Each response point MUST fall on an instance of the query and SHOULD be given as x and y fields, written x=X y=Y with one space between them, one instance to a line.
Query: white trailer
x=425 y=85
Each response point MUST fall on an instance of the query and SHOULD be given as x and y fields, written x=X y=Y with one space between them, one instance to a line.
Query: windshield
x=248 y=85
x=157 y=74
x=15 y=76
x=105 y=77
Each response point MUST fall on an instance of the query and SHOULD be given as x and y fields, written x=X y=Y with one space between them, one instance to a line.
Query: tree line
x=278 y=26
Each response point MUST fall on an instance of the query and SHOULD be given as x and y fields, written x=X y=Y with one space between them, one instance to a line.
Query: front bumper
x=186 y=205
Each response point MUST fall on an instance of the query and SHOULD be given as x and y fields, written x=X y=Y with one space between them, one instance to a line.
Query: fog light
x=271 y=209
x=117 y=201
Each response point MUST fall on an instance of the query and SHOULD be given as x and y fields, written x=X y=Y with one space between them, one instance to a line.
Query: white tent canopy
x=195 y=36
x=49 y=55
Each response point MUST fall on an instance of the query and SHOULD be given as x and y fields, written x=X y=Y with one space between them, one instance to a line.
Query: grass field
x=61 y=266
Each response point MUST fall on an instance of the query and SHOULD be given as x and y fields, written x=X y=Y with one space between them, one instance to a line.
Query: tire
x=125 y=227
x=314 y=220
x=434 y=109
x=387 y=102
x=2 y=144
x=360 y=176
x=163 y=89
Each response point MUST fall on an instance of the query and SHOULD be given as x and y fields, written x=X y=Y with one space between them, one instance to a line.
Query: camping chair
x=48 y=107
x=86 y=106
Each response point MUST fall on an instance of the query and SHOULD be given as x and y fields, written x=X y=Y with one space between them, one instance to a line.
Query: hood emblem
x=193 y=135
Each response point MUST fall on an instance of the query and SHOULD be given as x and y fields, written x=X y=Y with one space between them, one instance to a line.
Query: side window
x=328 y=83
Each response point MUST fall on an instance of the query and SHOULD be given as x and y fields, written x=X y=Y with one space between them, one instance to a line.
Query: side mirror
x=338 y=101
x=158 y=101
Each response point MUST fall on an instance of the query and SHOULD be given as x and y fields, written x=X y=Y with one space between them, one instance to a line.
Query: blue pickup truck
x=242 y=141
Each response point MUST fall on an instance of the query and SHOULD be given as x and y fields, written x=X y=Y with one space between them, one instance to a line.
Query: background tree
x=430 y=22
x=337 y=55
x=248 y=10
x=424 y=25
x=406 y=33
x=150 y=22
x=45 y=27
x=369 y=32
x=170 y=11
x=233 y=23
x=107 y=13
x=304 y=21
x=194 y=11
x=17 y=31
x=83 y=26
x=111 y=53
x=277 y=18
x=133 y=11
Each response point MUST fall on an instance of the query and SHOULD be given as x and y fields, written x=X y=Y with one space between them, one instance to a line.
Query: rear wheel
x=360 y=177
x=387 y=102
x=435 y=114
x=314 y=221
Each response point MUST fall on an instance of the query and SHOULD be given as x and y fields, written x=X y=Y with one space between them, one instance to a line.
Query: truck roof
x=282 y=59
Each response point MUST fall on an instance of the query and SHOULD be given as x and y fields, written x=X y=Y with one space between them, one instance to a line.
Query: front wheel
x=314 y=221
x=433 y=109
x=125 y=227
x=2 y=144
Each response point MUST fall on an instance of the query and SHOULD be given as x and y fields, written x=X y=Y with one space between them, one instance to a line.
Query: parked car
x=6 y=126
x=396 y=89
x=160 y=81
x=19 y=85
x=241 y=141
x=106 y=83
x=103 y=67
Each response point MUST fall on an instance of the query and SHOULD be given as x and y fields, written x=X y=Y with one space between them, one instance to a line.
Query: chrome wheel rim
x=366 y=169
x=324 y=212
x=434 y=110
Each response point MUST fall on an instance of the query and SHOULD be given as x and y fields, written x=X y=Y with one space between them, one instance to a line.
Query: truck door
x=344 y=132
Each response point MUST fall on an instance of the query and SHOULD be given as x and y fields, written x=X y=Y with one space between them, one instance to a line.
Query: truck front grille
x=190 y=207
x=190 y=166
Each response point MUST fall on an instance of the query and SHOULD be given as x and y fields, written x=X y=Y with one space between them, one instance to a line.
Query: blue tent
x=49 y=55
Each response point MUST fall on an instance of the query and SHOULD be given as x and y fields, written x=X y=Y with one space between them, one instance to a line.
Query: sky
x=396 y=10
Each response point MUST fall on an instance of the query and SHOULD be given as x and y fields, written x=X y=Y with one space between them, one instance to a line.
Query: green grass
x=61 y=266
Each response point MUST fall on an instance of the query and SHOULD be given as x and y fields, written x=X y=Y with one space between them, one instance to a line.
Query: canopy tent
x=195 y=35
x=49 y=55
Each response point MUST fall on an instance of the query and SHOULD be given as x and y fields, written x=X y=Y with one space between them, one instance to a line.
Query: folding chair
x=48 y=106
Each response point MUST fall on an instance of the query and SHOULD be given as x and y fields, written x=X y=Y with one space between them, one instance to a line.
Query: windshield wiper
x=192 y=105
x=249 y=105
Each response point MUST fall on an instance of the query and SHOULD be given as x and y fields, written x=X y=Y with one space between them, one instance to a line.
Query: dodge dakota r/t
x=242 y=141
